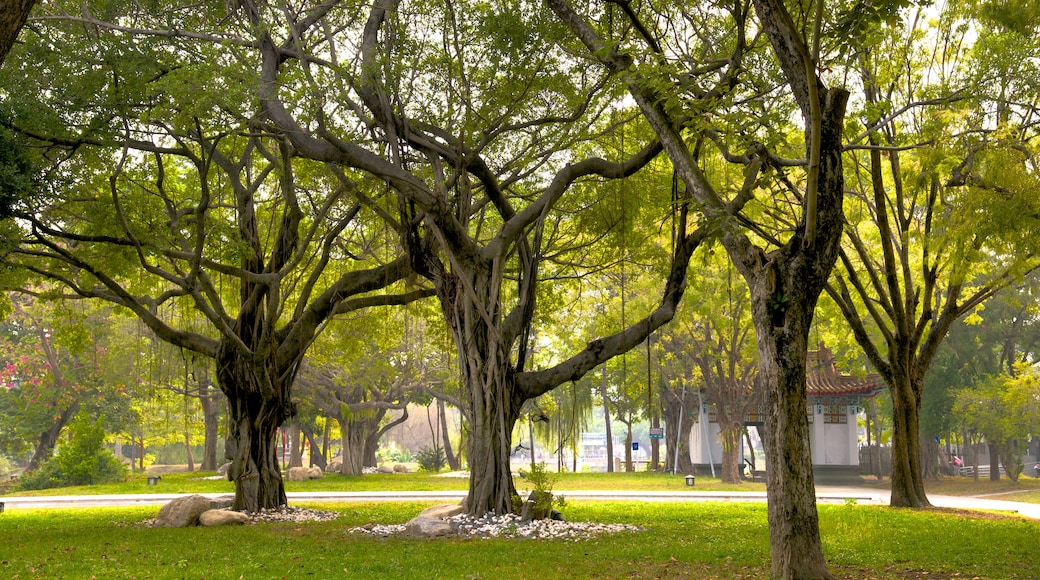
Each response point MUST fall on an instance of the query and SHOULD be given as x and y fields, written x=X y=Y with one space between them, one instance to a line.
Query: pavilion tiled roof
x=822 y=378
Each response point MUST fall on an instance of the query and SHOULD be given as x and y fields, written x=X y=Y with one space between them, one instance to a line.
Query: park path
x=824 y=494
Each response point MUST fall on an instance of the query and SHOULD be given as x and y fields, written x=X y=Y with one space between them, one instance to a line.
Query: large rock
x=211 y=518
x=182 y=512
x=304 y=473
x=427 y=527
x=334 y=467
x=384 y=469
x=400 y=468
x=221 y=502
x=223 y=469
x=443 y=511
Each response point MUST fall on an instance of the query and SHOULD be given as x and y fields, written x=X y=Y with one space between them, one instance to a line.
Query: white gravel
x=510 y=526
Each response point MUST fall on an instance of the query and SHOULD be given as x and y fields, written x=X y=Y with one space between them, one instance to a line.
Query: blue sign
x=635 y=446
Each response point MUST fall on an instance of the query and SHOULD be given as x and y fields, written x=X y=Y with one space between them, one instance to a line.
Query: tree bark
x=907 y=474
x=353 y=436
x=494 y=416
x=494 y=409
x=13 y=14
x=794 y=534
x=731 y=433
x=257 y=406
x=994 y=461
x=678 y=421
x=295 y=445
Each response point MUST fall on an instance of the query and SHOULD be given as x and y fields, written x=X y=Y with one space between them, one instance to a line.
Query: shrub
x=431 y=458
x=84 y=460
x=543 y=481
x=6 y=467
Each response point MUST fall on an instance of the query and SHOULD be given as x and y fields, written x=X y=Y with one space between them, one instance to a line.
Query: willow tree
x=944 y=186
x=679 y=82
x=164 y=191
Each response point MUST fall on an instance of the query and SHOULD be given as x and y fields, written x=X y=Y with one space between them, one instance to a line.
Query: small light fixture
x=690 y=480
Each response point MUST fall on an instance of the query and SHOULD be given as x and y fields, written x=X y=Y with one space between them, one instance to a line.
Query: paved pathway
x=824 y=494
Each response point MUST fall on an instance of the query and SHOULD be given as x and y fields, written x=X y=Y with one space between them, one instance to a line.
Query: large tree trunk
x=354 y=437
x=352 y=440
x=994 y=461
x=678 y=422
x=494 y=409
x=295 y=445
x=907 y=474
x=785 y=285
x=731 y=432
x=12 y=17
x=257 y=406
x=794 y=533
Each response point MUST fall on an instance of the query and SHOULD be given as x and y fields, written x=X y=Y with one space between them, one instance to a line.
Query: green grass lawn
x=1026 y=489
x=680 y=540
x=195 y=483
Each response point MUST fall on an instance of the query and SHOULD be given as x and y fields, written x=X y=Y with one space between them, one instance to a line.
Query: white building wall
x=830 y=443
x=705 y=442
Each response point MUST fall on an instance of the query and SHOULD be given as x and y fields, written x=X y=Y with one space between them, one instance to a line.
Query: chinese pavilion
x=834 y=402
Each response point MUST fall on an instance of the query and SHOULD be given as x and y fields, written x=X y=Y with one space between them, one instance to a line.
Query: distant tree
x=83 y=460
x=53 y=355
x=1005 y=410
x=943 y=197
x=716 y=339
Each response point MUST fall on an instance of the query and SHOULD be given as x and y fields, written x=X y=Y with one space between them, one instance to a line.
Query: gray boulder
x=384 y=469
x=223 y=469
x=427 y=527
x=304 y=473
x=334 y=467
x=222 y=502
x=210 y=518
x=182 y=512
x=400 y=468
x=443 y=511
